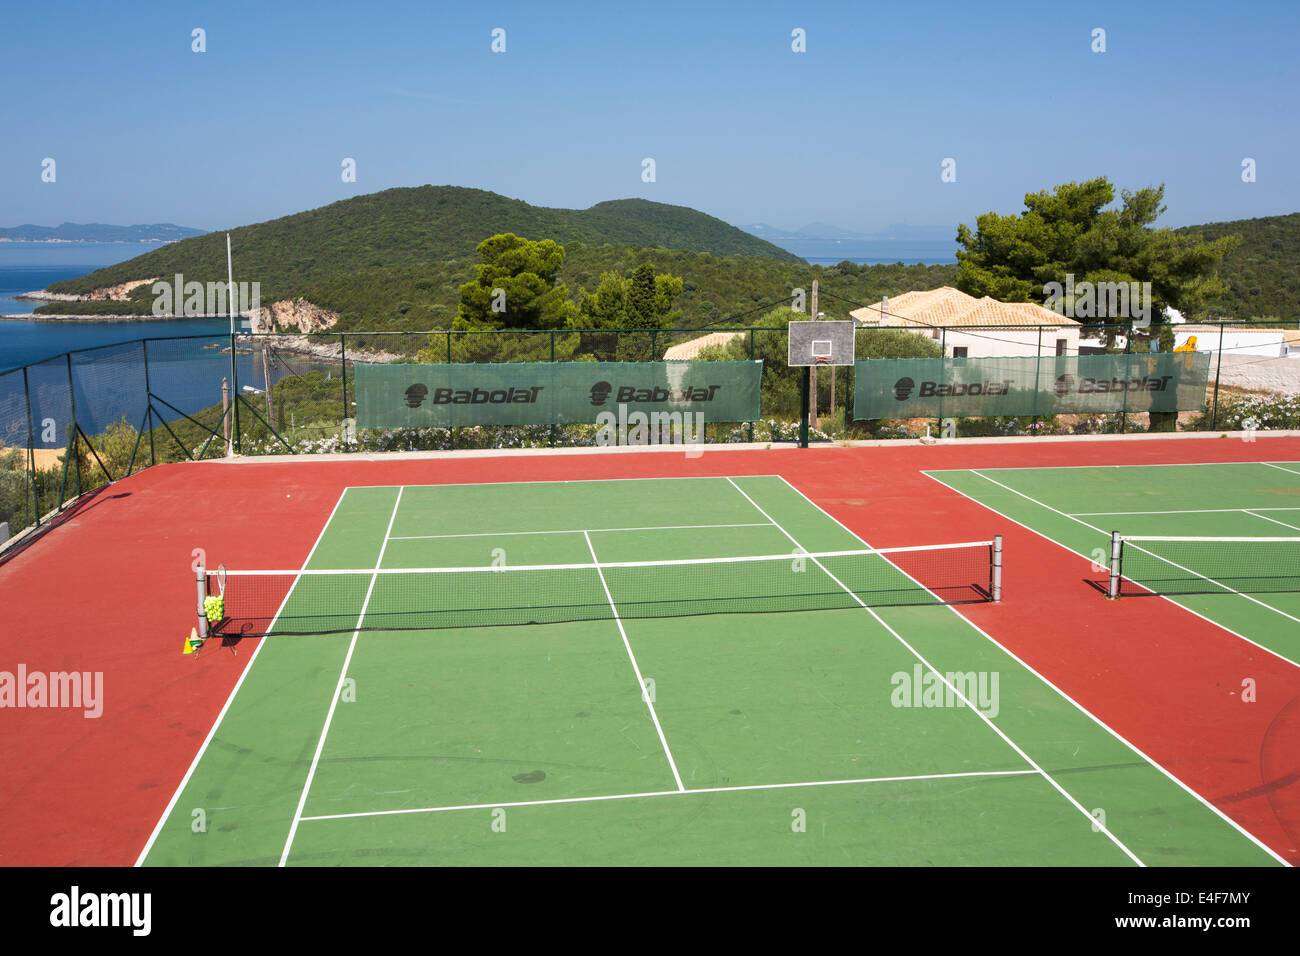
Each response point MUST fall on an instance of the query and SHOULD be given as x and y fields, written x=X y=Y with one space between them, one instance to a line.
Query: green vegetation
x=402 y=228
x=1261 y=276
x=1069 y=232
x=782 y=384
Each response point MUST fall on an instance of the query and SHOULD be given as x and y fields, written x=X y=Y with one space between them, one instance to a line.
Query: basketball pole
x=803 y=406
x=812 y=408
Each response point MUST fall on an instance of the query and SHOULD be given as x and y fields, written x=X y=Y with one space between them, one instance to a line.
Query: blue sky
x=852 y=132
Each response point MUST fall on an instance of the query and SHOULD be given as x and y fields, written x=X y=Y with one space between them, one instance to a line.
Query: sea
x=30 y=266
x=874 y=252
x=186 y=373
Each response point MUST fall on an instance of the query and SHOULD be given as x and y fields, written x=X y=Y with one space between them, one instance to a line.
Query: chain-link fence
x=77 y=421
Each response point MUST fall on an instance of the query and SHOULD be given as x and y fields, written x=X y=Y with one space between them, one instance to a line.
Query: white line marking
x=640 y=681
x=1187 y=511
x=1147 y=464
x=979 y=713
x=515 y=534
x=674 y=793
x=1083 y=710
x=1140 y=548
x=1293 y=527
x=559 y=481
x=171 y=804
x=1280 y=468
x=338 y=687
x=586 y=566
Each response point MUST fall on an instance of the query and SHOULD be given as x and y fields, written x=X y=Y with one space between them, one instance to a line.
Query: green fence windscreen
x=551 y=393
x=1066 y=384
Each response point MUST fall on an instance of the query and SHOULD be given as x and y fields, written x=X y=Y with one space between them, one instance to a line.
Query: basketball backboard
x=820 y=343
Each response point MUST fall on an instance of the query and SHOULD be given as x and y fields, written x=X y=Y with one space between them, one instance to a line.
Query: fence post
x=148 y=397
x=449 y=346
x=1038 y=364
x=225 y=411
x=234 y=391
x=76 y=428
x=760 y=384
x=943 y=369
x=31 y=450
x=343 y=374
x=1218 y=367
x=1128 y=350
x=552 y=359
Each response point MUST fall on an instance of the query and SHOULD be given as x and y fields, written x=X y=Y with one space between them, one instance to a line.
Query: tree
x=515 y=287
x=1070 y=233
x=644 y=301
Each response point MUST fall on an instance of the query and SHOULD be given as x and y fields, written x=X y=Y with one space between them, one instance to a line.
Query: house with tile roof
x=987 y=327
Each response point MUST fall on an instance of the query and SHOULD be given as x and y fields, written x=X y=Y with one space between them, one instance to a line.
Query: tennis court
x=673 y=705
x=1220 y=539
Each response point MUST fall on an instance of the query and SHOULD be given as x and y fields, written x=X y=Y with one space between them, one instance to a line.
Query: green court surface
x=1080 y=507
x=719 y=739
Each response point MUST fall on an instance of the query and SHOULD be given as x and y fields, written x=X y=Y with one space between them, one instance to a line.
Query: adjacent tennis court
x=699 y=670
x=1220 y=539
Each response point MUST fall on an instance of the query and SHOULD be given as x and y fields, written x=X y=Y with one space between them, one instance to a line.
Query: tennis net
x=257 y=603
x=1195 y=565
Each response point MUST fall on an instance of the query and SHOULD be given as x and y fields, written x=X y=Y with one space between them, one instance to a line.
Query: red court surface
x=110 y=590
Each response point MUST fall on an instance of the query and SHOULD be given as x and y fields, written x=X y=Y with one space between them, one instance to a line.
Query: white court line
x=561 y=481
x=1186 y=511
x=674 y=793
x=1140 y=548
x=1294 y=527
x=640 y=681
x=515 y=534
x=1164 y=597
x=1280 y=468
x=338 y=687
x=1144 y=464
x=1083 y=710
x=171 y=805
x=951 y=687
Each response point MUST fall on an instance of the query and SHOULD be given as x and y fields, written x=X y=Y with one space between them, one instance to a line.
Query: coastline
x=148 y=317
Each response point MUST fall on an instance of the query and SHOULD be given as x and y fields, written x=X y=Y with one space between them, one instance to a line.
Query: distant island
x=98 y=232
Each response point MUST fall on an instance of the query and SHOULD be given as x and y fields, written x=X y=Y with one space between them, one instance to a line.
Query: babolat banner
x=1054 y=385
x=551 y=393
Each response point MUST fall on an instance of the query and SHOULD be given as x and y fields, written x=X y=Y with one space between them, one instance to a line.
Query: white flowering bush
x=771 y=430
x=1264 y=411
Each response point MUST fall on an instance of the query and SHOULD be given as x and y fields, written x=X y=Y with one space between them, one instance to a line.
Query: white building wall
x=990 y=343
x=1267 y=343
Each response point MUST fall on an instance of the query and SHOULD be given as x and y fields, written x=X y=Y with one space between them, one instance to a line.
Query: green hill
x=400 y=228
x=1263 y=273
x=716 y=290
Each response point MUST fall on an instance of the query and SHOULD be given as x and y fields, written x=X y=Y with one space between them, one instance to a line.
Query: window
x=1060 y=346
x=959 y=351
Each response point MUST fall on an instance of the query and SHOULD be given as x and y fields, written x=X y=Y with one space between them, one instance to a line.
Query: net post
x=201 y=582
x=1116 y=565
x=997 y=568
